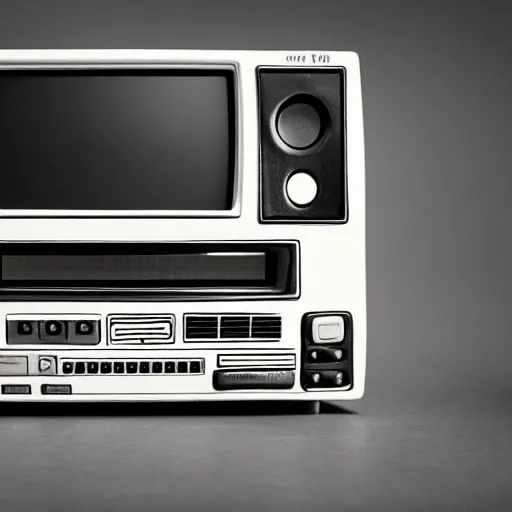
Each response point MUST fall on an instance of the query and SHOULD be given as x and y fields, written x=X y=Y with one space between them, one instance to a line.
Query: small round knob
x=53 y=328
x=299 y=125
x=301 y=188
x=84 y=327
x=24 y=328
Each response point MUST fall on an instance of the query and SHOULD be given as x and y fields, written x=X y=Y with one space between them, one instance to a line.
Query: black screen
x=127 y=270
x=118 y=268
x=116 y=140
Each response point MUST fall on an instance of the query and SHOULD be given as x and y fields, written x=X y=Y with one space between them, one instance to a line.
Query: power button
x=328 y=329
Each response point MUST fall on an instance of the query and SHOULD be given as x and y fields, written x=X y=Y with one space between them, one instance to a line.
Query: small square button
x=328 y=329
x=92 y=367
x=195 y=367
x=118 y=367
x=182 y=367
x=67 y=368
x=131 y=367
x=106 y=367
x=48 y=365
x=79 y=367
x=170 y=367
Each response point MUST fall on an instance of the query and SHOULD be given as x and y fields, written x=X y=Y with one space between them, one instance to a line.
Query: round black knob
x=84 y=327
x=53 y=328
x=24 y=328
x=299 y=125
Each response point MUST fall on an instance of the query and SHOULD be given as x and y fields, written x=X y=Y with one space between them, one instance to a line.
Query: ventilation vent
x=266 y=327
x=256 y=361
x=235 y=326
x=201 y=327
x=232 y=327
x=128 y=329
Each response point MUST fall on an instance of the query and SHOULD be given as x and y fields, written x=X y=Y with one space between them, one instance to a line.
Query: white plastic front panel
x=332 y=256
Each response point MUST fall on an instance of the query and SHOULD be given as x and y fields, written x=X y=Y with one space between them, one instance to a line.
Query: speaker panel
x=302 y=145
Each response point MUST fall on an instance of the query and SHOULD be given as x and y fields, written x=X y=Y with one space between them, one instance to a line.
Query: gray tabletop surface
x=268 y=456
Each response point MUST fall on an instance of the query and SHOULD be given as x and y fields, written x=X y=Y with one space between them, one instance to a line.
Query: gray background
x=434 y=431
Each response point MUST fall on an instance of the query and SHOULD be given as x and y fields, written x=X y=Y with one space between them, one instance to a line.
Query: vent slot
x=232 y=327
x=202 y=327
x=235 y=326
x=268 y=327
x=256 y=361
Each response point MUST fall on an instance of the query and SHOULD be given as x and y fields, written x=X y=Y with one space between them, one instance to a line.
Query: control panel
x=327 y=351
x=35 y=349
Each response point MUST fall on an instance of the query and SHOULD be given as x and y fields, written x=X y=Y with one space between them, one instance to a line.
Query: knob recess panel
x=302 y=129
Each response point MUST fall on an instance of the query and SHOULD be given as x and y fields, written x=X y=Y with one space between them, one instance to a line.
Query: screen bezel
x=235 y=135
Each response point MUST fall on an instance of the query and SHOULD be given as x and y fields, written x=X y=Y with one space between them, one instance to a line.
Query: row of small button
x=131 y=367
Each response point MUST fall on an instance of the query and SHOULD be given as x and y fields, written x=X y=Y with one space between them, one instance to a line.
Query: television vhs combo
x=181 y=225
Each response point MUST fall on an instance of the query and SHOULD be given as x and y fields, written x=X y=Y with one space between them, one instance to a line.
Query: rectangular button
x=56 y=389
x=227 y=380
x=328 y=329
x=16 y=389
x=13 y=365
